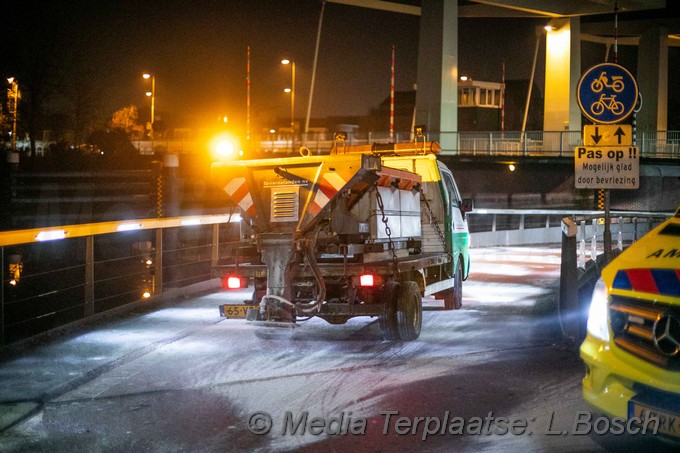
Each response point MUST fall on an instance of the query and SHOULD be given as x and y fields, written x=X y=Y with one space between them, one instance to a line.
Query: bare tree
x=126 y=119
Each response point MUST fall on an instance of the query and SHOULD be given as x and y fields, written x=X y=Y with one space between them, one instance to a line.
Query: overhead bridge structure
x=652 y=25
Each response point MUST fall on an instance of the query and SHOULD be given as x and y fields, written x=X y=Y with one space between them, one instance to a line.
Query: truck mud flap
x=274 y=330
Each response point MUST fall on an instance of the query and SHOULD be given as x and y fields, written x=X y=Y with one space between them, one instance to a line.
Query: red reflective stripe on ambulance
x=642 y=280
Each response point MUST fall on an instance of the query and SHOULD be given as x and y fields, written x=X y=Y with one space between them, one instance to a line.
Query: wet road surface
x=497 y=375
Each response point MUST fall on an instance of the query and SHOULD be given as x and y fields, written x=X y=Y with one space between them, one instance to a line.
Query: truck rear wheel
x=388 y=321
x=409 y=311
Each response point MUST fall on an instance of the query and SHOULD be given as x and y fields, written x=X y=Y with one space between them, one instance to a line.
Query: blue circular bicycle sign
x=607 y=93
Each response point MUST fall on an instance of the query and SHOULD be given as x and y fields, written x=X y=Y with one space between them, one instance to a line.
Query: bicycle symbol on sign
x=607 y=103
x=602 y=82
x=607 y=93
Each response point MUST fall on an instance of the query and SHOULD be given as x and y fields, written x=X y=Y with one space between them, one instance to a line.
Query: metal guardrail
x=540 y=226
x=652 y=144
x=58 y=275
x=496 y=227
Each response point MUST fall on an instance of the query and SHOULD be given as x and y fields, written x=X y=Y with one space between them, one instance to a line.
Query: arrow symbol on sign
x=597 y=136
x=619 y=133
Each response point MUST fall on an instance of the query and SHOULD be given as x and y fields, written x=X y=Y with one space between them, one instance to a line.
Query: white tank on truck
x=361 y=231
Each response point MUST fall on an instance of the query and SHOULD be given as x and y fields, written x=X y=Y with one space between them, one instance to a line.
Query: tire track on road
x=94 y=373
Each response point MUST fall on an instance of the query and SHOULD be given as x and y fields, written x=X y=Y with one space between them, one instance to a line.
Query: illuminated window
x=466 y=97
x=480 y=94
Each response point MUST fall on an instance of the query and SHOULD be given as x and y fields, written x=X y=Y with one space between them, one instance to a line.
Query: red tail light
x=367 y=280
x=234 y=282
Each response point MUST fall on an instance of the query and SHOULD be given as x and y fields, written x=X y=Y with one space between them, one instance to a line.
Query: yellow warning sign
x=608 y=135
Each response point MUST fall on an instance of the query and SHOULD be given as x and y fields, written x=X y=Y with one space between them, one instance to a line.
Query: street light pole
x=152 y=94
x=292 y=93
x=14 y=91
x=311 y=85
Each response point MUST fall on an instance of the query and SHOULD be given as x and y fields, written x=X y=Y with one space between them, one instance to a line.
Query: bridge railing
x=492 y=227
x=55 y=276
x=653 y=144
x=660 y=144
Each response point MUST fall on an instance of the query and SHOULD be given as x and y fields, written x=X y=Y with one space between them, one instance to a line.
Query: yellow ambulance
x=632 y=348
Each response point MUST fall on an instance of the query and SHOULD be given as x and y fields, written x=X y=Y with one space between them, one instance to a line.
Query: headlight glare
x=598 y=318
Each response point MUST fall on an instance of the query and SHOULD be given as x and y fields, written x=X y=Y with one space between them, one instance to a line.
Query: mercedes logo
x=667 y=335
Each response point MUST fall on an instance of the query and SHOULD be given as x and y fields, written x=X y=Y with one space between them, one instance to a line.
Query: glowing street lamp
x=13 y=93
x=152 y=95
x=291 y=90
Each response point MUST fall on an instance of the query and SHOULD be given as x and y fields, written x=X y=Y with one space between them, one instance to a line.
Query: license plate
x=669 y=421
x=237 y=311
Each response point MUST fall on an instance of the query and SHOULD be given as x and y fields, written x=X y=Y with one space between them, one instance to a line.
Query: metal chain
x=434 y=219
x=388 y=231
x=442 y=238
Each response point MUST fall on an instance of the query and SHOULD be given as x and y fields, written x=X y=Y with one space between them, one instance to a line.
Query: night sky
x=197 y=50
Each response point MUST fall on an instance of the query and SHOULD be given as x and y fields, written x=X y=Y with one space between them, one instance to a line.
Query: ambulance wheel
x=453 y=297
x=409 y=311
x=388 y=321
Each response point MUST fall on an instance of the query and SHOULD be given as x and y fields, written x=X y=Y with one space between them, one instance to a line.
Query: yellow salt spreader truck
x=632 y=347
x=359 y=231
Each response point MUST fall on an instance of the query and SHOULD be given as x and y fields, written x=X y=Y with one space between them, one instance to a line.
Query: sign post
x=607 y=94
